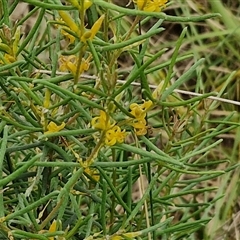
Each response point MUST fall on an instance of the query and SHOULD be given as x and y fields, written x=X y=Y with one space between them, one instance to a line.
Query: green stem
x=134 y=12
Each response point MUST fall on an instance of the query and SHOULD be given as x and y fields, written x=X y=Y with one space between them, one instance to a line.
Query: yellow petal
x=146 y=105
x=47 y=99
x=53 y=229
x=101 y=122
x=96 y=26
x=53 y=127
x=69 y=21
x=87 y=4
x=90 y=34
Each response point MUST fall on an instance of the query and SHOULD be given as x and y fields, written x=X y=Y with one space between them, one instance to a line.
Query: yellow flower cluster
x=71 y=30
x=139 y=112
x=150 y=5
x=113 y=133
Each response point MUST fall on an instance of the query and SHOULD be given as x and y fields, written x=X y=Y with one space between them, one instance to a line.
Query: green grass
x=98 y=139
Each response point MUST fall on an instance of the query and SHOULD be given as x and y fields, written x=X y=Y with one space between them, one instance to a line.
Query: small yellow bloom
x=150 y=5
x=47 y=99
x=114 y=135
x=69 y=63
x=53 y=127
x=102 y=122
x=140 y=111
x=140 y=127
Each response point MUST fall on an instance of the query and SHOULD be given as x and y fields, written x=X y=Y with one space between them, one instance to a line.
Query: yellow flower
x=140 y=111
x=90 y=34
x=114 y=135
x=150 y=5
x=69 y=63
x=102 y=122
x=140 y=127
x=53 y=127
x=47 y=99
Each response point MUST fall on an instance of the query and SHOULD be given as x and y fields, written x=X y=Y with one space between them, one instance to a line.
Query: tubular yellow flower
x=114 y=135
x=53 y=127
x=69 y=21
x=47 y=98
x=102 y=122
x=90 y=34
x=150 y=5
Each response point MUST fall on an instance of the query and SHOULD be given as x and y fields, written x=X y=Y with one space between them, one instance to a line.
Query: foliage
x=98 y=141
